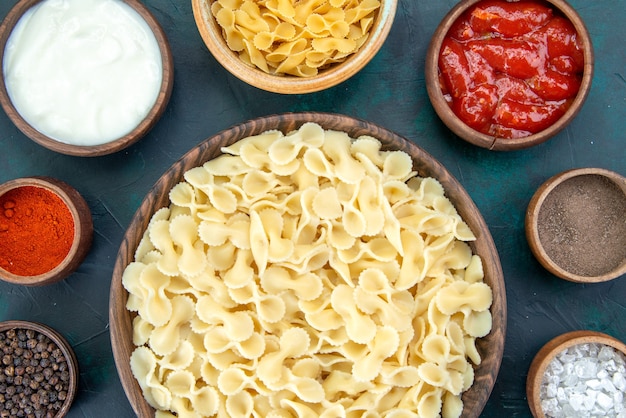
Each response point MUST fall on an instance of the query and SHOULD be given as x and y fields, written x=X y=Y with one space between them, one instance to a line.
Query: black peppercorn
x=34 y=375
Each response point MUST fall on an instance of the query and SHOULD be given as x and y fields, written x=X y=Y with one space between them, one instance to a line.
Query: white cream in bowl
x=84 y=72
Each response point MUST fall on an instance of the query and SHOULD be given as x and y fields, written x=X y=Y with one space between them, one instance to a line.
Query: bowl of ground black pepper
x=46 y=230
x=38 y=371
x=576 y=225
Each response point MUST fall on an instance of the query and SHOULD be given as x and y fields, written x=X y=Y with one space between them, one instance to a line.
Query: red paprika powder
x=36 y=230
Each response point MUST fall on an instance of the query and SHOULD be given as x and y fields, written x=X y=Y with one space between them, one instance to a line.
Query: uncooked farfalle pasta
x=294 y=37
x=306 y=274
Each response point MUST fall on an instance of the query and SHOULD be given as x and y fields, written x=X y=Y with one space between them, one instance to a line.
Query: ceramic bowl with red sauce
x=507 y=75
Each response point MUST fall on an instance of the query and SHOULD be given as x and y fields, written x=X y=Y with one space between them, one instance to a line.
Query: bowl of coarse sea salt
x=578 y=374
x=84 y=77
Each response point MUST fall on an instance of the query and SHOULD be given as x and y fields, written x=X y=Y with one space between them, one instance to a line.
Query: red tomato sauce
x=510 y=69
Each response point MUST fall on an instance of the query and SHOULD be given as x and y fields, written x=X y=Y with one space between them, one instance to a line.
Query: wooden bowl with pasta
x=310 y=286
x=303 y=49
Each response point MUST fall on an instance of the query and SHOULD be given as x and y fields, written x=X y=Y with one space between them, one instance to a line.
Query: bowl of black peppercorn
x=38 y=371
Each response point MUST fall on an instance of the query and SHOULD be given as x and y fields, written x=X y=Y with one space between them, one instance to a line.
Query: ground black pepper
x=34 y=375
x=582 y=225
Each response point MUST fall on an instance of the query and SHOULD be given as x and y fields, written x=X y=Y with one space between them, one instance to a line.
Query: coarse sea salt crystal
x=586 y=380
x=604 y=400
x=586 y=368
x=619 y=381
x=593 y=383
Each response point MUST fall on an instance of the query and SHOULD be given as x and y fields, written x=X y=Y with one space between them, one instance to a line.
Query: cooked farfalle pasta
x=306 y=274
x=297 y=38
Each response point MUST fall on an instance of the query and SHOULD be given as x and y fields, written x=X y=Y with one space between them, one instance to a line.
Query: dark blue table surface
x=391 y=92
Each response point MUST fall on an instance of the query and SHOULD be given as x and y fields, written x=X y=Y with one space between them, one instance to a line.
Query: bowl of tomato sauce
x=507 y=75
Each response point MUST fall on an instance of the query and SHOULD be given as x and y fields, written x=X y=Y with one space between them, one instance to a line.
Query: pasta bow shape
x=184 y=233
x=237 y=325
x=182 y=384
x=294 y=342
x=157 y=307
x=373 y=297
x=461 y=295
x=165 y=339
x=143 y=364
x=287 y=148
x=383 y=345
x=277 y=279
x=359 y=326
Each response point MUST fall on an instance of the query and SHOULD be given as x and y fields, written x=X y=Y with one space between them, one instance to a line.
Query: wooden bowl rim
x=83 y=230
x=65 y=348
x=458 y=127
x=157 y=197
x=532 y=217
x=160 y=104
x=553 y=347
x=211 y=34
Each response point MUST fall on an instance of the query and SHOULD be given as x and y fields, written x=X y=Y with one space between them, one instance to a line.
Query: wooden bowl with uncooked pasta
x=294 y=50
x=301 y=358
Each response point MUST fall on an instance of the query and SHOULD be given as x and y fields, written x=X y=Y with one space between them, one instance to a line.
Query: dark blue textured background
x=390 y=91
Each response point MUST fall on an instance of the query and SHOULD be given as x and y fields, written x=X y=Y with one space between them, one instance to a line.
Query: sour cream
x=84 y=72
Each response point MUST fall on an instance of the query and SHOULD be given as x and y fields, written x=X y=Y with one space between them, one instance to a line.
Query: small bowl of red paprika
x=507 y=75
x=46 y=230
